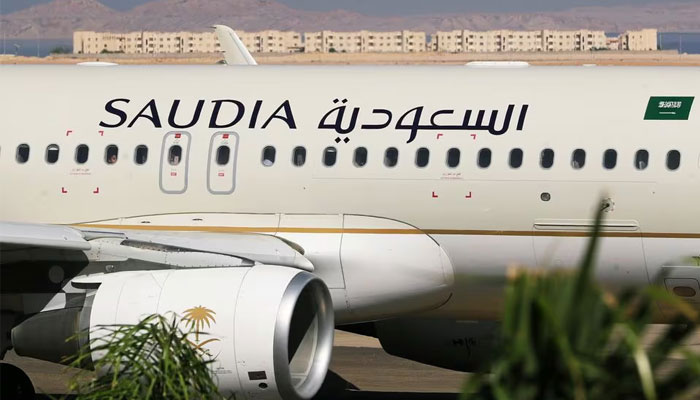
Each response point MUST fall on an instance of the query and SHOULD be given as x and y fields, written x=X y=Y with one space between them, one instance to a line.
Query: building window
x=673 y=160
x=391 y=157
x=610 y=159
x=515 y=160
x=299 y=156
x=422 y=157
x=453 y=156
x=641 y=159
x=268 y=156
x=578 y=159
x=81 y=154
x=141 y=154
x=547 y=158
x=223 y=154
x=111 y=154
x=484 y=158
x=52 y=151
x=175 y=155
x=360 y=158
x=330 y=156
x=22 y=153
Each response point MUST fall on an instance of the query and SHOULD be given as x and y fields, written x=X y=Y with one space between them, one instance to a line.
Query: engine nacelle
x=459 y=345
x=268 y=328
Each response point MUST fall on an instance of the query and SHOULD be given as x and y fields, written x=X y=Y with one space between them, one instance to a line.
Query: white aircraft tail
x=235 y=52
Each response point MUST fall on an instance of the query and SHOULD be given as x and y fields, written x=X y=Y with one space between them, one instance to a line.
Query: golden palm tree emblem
x=197 y=318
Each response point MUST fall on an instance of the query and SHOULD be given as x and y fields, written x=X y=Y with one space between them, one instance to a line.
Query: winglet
x=235 y=52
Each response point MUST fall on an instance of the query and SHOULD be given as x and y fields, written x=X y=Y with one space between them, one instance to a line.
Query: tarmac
x=360 y=369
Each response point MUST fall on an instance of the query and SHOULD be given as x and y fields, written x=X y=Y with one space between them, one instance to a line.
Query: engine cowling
x=270 y=328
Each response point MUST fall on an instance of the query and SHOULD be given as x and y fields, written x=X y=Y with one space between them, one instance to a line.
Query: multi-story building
x=507 y=40
x=273 y=41
x=643 y=40
x=365 y=42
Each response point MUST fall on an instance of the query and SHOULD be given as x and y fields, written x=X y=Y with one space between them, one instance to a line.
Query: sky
x=395 y=7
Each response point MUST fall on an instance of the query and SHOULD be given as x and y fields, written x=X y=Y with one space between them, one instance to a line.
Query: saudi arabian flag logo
x=669 y=108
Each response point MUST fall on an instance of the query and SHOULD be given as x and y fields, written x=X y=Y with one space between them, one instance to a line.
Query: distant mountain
x=59 y=18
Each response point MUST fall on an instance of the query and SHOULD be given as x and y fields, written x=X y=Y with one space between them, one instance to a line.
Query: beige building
x=506 y=40
x=89 y=42
x=643 y=40
x=273 y=41
x=365 y=42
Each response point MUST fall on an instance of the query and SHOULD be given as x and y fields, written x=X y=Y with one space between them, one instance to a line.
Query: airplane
x=284 y=201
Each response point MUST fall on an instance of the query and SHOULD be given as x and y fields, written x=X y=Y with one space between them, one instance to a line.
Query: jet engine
x=268 y=328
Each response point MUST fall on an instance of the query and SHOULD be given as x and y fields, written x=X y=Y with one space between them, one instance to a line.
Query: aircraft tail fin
x=235 y=52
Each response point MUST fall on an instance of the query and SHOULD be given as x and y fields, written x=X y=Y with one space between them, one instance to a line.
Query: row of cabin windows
x=515 y=159
x=82 y=153
x=330 y=156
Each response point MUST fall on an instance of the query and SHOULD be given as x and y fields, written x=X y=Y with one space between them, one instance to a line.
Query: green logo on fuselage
x=668 y=108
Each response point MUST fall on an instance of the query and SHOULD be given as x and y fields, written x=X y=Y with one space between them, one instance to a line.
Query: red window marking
x=435 y=196
x=473 y=135
x=96 y=191
x=178 y=135
x=63 y=190
x=221 y=174
x=173 y=174
x=102 y=133
x=68 y=132
x=225 y=136
x=439 y=135
x=469 y=196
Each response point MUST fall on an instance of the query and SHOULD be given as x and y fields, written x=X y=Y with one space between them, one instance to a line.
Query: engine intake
x=268 y=328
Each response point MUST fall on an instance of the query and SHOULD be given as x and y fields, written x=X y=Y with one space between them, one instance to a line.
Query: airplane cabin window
x=22 y=153
x=81 y=154
x=453 y=156
x=610 y=159
x=175 y=155
x=391 y=157
x=422 y=157
x=515 y=160
x=547 y=158
x=484 y=158
x=360 y=158
x=673 y=160
x=330 y=155
x=52 y=153
x=299 y=156
x=578 y=159
x=141 y=154
x=111 y=154
x=268 y=156
x=641 y=159
x=223 y=154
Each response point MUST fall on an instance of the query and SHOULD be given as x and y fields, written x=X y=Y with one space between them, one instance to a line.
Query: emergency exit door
x=174 y=162
x=221 y=172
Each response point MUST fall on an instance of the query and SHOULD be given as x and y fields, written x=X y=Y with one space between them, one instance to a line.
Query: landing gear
x=15 y=384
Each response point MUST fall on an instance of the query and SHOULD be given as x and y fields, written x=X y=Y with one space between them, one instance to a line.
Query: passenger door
x=221 y=172
x=174 y=161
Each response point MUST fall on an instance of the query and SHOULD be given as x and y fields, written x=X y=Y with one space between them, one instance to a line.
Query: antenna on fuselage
x=235 y=52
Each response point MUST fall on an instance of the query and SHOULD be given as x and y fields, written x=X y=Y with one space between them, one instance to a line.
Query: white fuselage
x=485 y=219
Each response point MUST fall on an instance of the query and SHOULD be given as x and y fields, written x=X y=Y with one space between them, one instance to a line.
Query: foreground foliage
x=150 y=360
x=565 y=338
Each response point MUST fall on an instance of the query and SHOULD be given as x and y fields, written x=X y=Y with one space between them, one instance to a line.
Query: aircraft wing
x=235 y=52
x=36 y=235
x=259 y=248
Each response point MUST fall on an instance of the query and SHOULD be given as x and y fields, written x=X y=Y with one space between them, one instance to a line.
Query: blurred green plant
x=563 y=337
x=150 y=360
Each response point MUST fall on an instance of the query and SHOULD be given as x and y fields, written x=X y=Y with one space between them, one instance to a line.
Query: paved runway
x=358 y=360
